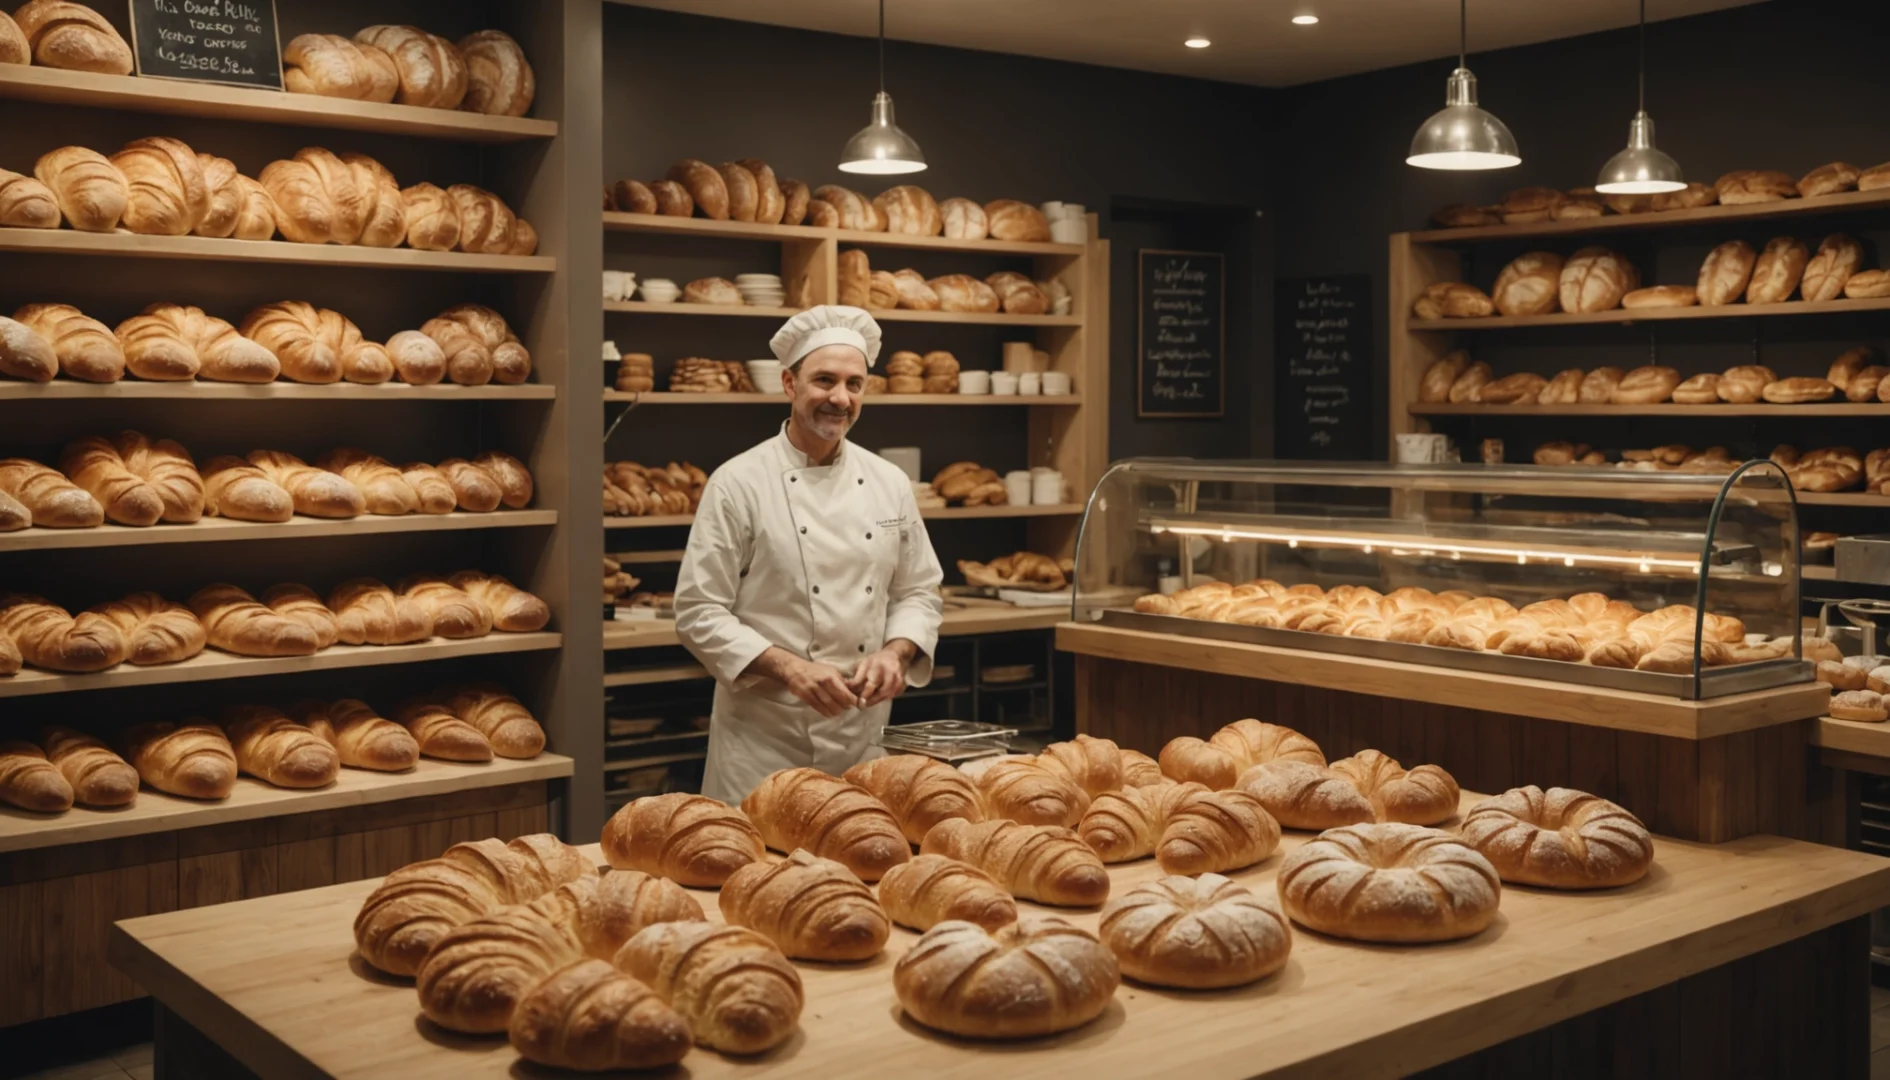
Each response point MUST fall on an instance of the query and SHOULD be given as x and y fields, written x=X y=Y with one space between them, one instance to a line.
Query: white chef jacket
x=828 y=562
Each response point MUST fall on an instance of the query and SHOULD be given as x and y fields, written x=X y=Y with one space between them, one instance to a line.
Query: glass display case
x=1677 y=584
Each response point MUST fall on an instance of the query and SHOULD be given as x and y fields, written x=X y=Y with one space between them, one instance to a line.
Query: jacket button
x=862 y=648
x=869 y=536
x=862 y=480
x=869 y=588
x=816 y=590
x=744 y=571
x=803 y=530
x=793 y=479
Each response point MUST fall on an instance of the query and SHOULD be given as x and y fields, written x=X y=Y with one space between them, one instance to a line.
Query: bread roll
x=1042 y=863
x=156 y=631
x=452 y=613
x=276 y=750
x=1649 y=385
x=235 y=489
x=690 y=839
x=672 y=199
x=384 y=223
x=1777 y=271
x=913 y=293
x=99 y=777
x=834 y=819
x=1037 y=976
x=1390 y=883
x=499 y=80
x=85 y=347
x=1746 y=186
x=1215 y=831
x=1564 y=389
x=418 y=360
x=370 y=613
x=919 y=791
x=1018 y=294
x=24 y=354
x=882 y=291
x=707 y=190
x=90 y=190
x=228 y=199
x=1578 y=204
x=431 y=70
x=1559 y=839
x=362 y=738
x=910 y=210
x=812 y=908
x=770 y=203
x=432 y=218
x=822 y=214
x=317 y=198
x=1530 y=204
x=1010 y=219
x=932 y=889
x=486 y=224
x=1528 y=285
x=72 y=36
x=440 y=734
x=333 y=66
x=1829 y=179
x=1798 y=391
x=963 y=219
x=1868 y=284
x=1726 y=272
x=26 y=203
x=514 y=611
x=193 y=759
x=733 y=987
x=13 y=46
x=1195 y=932
x=855 y=211
x=236 y=623
x=29 y=781
x=1827 y=272
x=591 y=1017
x=1595 y=279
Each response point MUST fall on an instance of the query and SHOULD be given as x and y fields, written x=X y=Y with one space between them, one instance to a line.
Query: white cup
x=1030 y=384
x=1017 y=487
x=1046 y=488
x=974 y=382
x=1003 y=383
x=1052 y=210
x=1056 y=382
x=1069 y=230
x=1420 y=449
x=1073 y=211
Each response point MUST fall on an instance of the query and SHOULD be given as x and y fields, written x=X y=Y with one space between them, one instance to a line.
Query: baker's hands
x=819 y=685
x=882 y=675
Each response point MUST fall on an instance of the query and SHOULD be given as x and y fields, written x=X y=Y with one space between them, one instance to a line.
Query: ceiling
x=1254 y=41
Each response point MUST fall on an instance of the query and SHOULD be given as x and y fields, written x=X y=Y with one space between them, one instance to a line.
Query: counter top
x=1545 y=699
x=273 y=981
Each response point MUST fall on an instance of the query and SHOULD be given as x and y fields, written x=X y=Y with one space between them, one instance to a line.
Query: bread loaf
x=822 y=215
x=1302 y=795
x=29 y=781
x=1093 y=764
x=1037 y=976
x=156 y=631
x=478 y=971
x=1559 y=839
x=1647 y=385
x=418 y=361
x=1777 y=271
x=1529 y=204
x=98 y=776
x=431 y=70
x=1042 y=863
x=1017 y=294
x=167 y=195
x=882 y=291
x=1024 y=791
x=1391 y=882
x=236 y=623
x=1868 y=284
x=50 y=639
x=770 y=203
x=913 y=292
x=689 y=839
x=514 y=610
x=1522 y=388
x=910 y=210
x=226 y=197
x=812 y=908
x=630 y=197
x=1595 y=279
x=370 y=613
x=1454 y=300
x=855 y=210
x=1529 y=284
x=737 y=992
x=1598 y=386
x=13 y=46
x=962 y=292
x=24 y=354
x=362 y=738
x=276 y=750
x=474 y=488
x=193 y=759
x=589 y=1016
x=89 y=189
x=511 y=362
x=1744 y=384
x=919 y=791
x=1687 y=198
x=715 y=290
x=468 y=361
x=1659 y=296
x=384 y=490
x=26 y=203
x=301 y=603
x=332 y=66
x=1827 y=272
x=1563 y=389
x=1218 y=763
x=706 y=188
x=1195 y=932
x=1726 y=272
x=831 y=818
x=744 y=193
x=1012 y=220
x=233 y=488
x=672 y=199
x=95 y=465
x=1425 y=795
x=317 y=198
x=505 y=722
x=440 y=734
x=72 y=36
x=316 y=492
x=486 y=224
x=432 y=218
x=184 y=342
x=963 y=219
x=86 y=348
x=932 y=889
x=1701 y=389
x=499 y=80
x=855 y=276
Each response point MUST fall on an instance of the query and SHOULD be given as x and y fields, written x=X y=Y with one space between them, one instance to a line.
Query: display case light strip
x=1456 y=550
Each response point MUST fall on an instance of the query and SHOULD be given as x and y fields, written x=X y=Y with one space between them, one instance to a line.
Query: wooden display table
x=1722 y=953
x=1703 y=770
x=65 y=878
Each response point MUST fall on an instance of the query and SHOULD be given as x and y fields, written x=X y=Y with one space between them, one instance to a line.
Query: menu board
x=217 y=41
x=1181 y=334
x=1322 y=349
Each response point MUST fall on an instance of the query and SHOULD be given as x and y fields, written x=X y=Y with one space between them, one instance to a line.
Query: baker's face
x=826 y=393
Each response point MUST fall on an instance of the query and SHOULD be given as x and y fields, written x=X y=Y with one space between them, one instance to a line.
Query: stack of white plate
x=761 y=290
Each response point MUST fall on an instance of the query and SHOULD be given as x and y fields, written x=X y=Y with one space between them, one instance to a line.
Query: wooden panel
x=285 y=1001
x=22 y=953
x=76 y=914
x=1413 y=269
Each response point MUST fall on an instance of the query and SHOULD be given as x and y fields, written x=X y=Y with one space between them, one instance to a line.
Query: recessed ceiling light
x=1197 y=43
x=1305 y=20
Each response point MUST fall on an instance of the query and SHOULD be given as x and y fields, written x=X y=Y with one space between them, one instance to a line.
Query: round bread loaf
x=1864 y=705
x=795 y=196
x=1702 y=389
x=1829 y=270
x=1559 y=839
x=1648 y=385
x=1595 y=279
x=1777 y=271
x=1598 y=386
x=1036 y=976
x=1195 y=932
x=1528 y=285
x=1829 y=179
x=1745 y=384
x=1390 y=882
x=963 y=219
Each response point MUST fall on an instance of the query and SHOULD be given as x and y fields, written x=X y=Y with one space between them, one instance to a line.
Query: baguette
x=362 y=738
x=370 y=613
x=30 y=782
x=737 y=992
x=236 y=623
x=932 y=889
x=52 y=500
x=156 y=631
x=276 y=750
x=99 y=777
x=511 y=728
x=316 y=492
x=95 y=465
x=813 y=908
x=51 y=639
x=1035 y=862
x=590 y=1016
x=442 y=735
x=513 y=609
x=690 y=839
x=919 y=791
x=833 y=819
x=193 y=758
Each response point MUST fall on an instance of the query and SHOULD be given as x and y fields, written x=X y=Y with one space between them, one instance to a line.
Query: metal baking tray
x=948 y=740
x=1714 y=682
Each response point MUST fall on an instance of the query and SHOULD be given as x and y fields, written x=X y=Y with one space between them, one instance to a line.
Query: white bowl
x=974 y=382
x=658 y=296
x=757 y=279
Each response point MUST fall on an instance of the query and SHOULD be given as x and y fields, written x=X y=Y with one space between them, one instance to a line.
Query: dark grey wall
x=1782 y=85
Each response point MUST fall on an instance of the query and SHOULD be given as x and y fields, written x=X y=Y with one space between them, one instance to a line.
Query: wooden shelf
x=212 y=529
x=211 y=664
x=1625 y=316
x=656 y=521
x=1843 y=498
x=668 y=673
x=1544 y=699
x=679 y=307
x=956 y=622
x=628 y=764
x=127 y=245
x=273 y=981
x=155 y=812
x=1852 y=737
x=665 y=397
x=71 y=389
x=737 y=230
x=1703 y=215
x=171 y=97
x=643 y=558
x=1857 y=409
x=1818 y=573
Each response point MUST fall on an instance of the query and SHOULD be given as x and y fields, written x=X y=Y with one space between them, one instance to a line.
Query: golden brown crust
x=1559 y=839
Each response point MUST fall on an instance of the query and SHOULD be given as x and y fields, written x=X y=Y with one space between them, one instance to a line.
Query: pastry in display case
x=1673 y=584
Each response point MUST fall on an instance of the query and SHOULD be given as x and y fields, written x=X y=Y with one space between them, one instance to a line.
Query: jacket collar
x=798 y=460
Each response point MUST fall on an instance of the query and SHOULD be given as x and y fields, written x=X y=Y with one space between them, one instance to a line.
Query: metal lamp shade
x=1640 y=169
x=880 y=148
x=1461 y=136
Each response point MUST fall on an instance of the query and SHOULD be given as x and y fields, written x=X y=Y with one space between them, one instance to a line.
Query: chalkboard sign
x=217 y=41
x=1181 y=334
x=1322 y=350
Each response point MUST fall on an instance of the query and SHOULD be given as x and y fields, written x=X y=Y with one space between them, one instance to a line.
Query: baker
x=809 y=588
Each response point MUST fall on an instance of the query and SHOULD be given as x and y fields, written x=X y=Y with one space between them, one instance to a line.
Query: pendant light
x=1640 y=169
x=880 y=147
x=1461 y=136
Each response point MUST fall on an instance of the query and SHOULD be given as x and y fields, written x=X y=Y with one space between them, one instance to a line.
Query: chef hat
x=828 y=324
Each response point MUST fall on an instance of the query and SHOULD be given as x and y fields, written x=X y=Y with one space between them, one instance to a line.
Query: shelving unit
x=127 y=245
x=212 y=530
x=387 y=393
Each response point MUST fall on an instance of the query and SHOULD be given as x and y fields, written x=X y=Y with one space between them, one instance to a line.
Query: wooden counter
x=273 y=982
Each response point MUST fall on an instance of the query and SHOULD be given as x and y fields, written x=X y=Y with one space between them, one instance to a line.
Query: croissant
x=690 y=839
x=361 y=737
x=590 y=1016
x=49 y=638
x=90 y=190
x=317 y=492
x=514 y=610
x=511 y=729
x=1127 y=824
x=370 y=613
x=291 y=330
x=1021 y=790
x=234 y=488
x=276 y=750
x=442 y=735
x=29 y=781
x=1037 y=976
x=932 y=889
x=193 y=759
x=384 y=490
x=737 y=991
x=1140 y=770
x=919 y=791
x=98 y=776
x=53 y=501
x=811 y=907
x=85 y=347
x=478 y=971
x=806 y=808
x=236 y=623
x=156 y=631
x=95 y=465
x=1035 y=862
x=1093 y=764
x=167 y=195
x=1216 y=831
x=601 y=913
